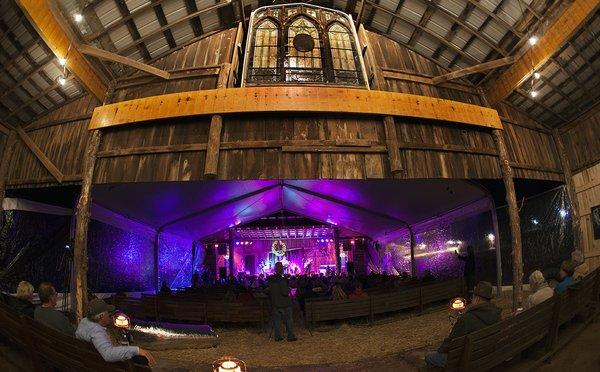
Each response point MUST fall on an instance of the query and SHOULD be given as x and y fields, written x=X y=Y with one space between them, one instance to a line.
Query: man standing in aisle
x=282 y=304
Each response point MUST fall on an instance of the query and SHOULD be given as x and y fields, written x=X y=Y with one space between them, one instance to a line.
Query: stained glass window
x=265 y=46
x=303 y=66
x=343 y=55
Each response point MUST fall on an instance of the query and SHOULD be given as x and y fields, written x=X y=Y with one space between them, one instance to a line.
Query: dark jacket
x=469 y=264
x=477 y=317
x=23 y=307
x=280 y=292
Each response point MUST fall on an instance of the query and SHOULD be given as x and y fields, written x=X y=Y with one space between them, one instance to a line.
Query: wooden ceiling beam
x=34 y=99
x=538 y=102
x=191 y=7
x=58 y=39
x=452 y=31
x=394 y=19
x=132 y=28
x=473 y=70
x=556 y=35
x=162 y=20
x=103 y=54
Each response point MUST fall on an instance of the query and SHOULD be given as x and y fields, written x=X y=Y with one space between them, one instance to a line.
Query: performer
x=282 y=304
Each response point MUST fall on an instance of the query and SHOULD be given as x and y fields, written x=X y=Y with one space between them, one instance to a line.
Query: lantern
x=229 y=364
x=121 y=320
x=458 y=304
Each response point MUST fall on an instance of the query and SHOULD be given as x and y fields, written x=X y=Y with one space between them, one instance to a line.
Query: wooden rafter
x=133 y=31
x=191 y=7
x=473 y=69
x=57 y=38
x=452 y=31
x=538 y=54
x=424 y=29
x=36 y=98
x=162 y=20
x=538 y=102
x=103 y=54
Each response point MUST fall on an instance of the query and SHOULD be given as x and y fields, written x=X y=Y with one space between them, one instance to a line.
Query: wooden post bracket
x=40 y=155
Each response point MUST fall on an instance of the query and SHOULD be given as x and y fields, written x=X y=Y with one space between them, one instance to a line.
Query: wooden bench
x=538 y=326
x=381 y=302
x=50 y=349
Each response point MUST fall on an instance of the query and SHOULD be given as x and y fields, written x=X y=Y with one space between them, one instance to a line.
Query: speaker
x=222 y=272
x=222 y=249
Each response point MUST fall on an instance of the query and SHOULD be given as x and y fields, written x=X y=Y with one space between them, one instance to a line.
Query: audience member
x=93 y=329
x=479 y=314
x=282 y=304
x=22 y=301
x=581 y=267
x=540 y=290
x=565 y=276
x=337 y=293
x=47 y=314
x=164 y=289
x=469 y=270
x=358 y=291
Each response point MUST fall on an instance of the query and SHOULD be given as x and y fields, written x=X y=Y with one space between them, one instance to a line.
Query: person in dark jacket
x=480 y=314
x=281 y=303
x=22 y=301
x=469 y=270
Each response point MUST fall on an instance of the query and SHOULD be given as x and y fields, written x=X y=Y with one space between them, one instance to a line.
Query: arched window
x=342 y=54
x=265 y=45
x=264 y=58
x=303 y=58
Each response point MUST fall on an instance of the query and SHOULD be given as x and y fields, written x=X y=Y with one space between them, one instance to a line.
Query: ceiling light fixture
x=537 y=75
x=62 y=80
x=62 y=61
x=78 y=17
x=533 y=40
x=533 y=93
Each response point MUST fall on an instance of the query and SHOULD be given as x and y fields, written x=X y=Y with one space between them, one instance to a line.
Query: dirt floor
x=337 y=344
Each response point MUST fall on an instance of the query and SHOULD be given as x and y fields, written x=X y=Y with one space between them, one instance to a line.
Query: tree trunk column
x=80 y=257
x=566 y=166
x=4 y=166
x=513 y=214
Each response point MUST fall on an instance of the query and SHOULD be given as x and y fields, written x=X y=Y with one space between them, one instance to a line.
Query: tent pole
x=413 y=264
x=336 y=244
x=497 y=245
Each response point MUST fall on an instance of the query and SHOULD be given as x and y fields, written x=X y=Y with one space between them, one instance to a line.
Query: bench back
x=11 y=326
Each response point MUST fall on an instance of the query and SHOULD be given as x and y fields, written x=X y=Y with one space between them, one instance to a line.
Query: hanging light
x=533 y=40
x=62 y=80
x=458 y=304
x=229 y=364
x=78 y=17
x=62 y=61
x=537 y=75
x=535 y=221
x=563 y=213
x=491 y=237
x=533 y=93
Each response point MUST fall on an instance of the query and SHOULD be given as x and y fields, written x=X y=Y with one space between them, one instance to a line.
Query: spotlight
x=62 y=80
x=62 y=61
x=229 y=364
x=491 y=237
x=237 y=243
x=352 y=241
x=78 y=17
x=533 y=93
x=563 y=213
x=251 y=243
x=216 y=245
x=534 y=221
x=537 y=75
x=533 y=40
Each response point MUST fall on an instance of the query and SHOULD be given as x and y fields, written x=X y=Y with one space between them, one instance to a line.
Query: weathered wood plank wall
x=62 y=135
x=587 y=188
x=582 y=140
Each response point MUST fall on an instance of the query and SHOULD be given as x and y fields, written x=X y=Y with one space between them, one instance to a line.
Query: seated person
x=47 y=314
x=581 y=267
x=164 y=289
x=22 y=301
x=565 y=276
x=480 y=314
x=93 y=329
x=540 y=290
x=337 y=293
x=358 y=291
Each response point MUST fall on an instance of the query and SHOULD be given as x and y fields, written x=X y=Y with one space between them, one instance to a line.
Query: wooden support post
x=514 y=220
x=393 y=149
x=413 y=264
x=566 y=166
x=234 y=73
x=375 y=75
x=336 y=244
x=156 y=262
x=39 y=154
x=80 y=258
x=4 y=167
x=211 y=162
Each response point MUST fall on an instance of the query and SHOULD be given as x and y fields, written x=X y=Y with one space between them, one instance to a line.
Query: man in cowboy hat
x=480 y=314
x=93 y=329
